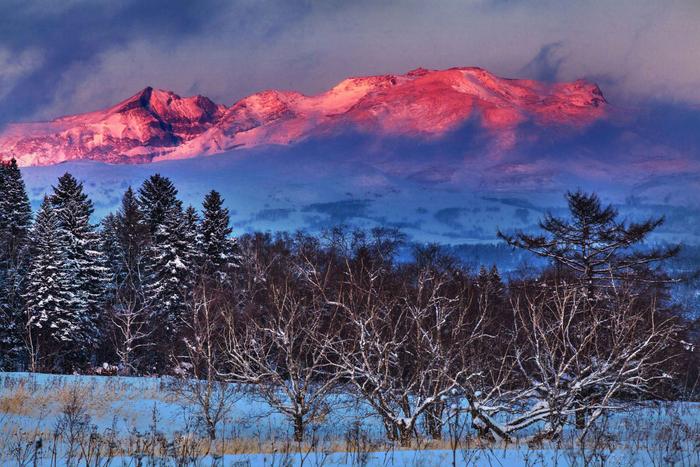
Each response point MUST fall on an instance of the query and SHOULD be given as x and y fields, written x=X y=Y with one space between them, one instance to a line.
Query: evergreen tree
x=125 y=240
x=112 y=255
x=84 y=260
x=15 y=214
x=157 y=198
x=168 y=272
x=593 y=243
x=495 y=280
x=168 y=265
x=53 y=318
x=167 y=253
x=490 y=287
x=483 y=279
x=191 y=237
x=15 y=222
x=218 y=249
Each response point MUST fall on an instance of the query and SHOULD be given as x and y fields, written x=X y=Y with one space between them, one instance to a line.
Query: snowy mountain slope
x=135 y=130
x=447 y=155
x=265 y=192
x=160 y=125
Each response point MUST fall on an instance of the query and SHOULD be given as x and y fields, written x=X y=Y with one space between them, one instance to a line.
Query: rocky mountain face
x=425 y=104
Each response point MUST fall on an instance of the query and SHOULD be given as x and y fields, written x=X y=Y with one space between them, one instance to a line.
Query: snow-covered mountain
x=135 y=130
x=446 y=155
x=158 y=125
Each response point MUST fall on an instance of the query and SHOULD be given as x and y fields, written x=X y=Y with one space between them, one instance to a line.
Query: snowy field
x=267 y=192
x=142 y=421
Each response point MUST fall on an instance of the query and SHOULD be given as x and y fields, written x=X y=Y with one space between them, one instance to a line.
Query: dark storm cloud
x=79 y=55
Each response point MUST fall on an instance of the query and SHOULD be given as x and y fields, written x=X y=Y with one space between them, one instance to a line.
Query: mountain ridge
x=156 y=124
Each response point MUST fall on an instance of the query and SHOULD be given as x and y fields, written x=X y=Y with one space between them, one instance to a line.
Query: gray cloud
x=14 y=66
x=85 y=55
x=546 y=64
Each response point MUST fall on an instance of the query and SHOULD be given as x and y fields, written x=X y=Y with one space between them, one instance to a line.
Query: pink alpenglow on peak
x=160 y=125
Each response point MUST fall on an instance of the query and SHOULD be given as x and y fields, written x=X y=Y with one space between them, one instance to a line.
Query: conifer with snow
x=171 y=260
x=191 y=236
x=15 y=214
x=125 y=243
x=125 y=240
x=84 y=264
x=111 y=251
x=218 y=249
x=15 y=222
x=157 y=197
x=53 y=319
x=168 y=272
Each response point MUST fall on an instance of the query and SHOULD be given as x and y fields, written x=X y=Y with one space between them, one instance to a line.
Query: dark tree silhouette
x=157 y=197
x=218 y=249
x=125 y=243
x=594 y=243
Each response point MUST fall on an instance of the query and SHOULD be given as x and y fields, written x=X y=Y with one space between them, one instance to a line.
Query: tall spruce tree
x=170 y=262
x=157 y=198
x=125 y=241
x=218 y=250
x=15 y=222
x=191 y=238
x=111 y=251
x=84 y=261
x=169 y=271
x=54 y=324
x=15 y=214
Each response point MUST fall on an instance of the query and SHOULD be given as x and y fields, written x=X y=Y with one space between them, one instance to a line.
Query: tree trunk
x=211 y=430
x=298 y=428
x=486 y=429
x=433 y=420
x=580 y=415
x=398 y=431
x=405 y=435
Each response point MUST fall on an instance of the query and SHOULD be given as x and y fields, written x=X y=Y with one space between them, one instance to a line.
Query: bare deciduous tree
x=571 y=357
x=199 y=382
x=408 y=341
x=280 y=346
x=130 y=332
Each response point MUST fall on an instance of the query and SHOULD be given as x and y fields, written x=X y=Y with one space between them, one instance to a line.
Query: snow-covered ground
x=133 y=403
x=136 y=410
x=277 y=190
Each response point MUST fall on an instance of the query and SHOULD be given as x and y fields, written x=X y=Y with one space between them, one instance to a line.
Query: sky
x=72 y=56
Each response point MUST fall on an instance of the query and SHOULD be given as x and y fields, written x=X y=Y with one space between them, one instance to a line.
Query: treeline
x=74 y=295
x=163 y=289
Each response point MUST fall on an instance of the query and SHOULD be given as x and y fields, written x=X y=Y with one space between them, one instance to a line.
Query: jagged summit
x=156 y=124
x=140 y=99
